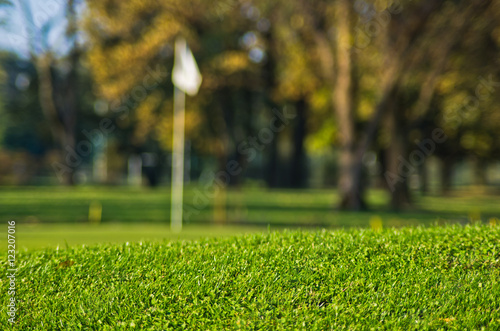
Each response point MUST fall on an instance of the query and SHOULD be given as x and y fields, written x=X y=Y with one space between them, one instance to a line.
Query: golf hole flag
x=185 y=75
x=187 y=79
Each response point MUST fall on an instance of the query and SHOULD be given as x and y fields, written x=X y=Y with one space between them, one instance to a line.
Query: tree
x=412 y=99
x=57 y=88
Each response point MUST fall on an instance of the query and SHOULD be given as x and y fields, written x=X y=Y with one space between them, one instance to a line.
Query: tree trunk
x=246 y=125
x=446 y=174
x=59 y=104
x=480 y=167
x=298 y=171
x=349 y=185
x=220 y=199
x=398 y=168
x=69 y=104
x=400 y=193
x=422 y=175
x=271 y=176
x=61 y=123
x=269 y=78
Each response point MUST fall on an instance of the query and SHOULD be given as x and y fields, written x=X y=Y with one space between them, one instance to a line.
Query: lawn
x=247 y=206
x=425 y=278
x=37 y=236
x=59 y=216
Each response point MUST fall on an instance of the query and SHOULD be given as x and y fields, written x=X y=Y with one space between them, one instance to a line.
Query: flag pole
x=178 y=161
x=187 y=79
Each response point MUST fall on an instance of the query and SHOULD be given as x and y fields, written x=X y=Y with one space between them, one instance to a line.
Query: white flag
x=185 y=75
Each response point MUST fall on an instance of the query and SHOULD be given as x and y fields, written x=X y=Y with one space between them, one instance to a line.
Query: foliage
x=366 y=78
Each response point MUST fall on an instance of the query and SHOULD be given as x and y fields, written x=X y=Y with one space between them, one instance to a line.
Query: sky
x=18 y=32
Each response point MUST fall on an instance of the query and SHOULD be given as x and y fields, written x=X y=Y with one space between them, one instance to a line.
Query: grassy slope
x=411 y=278
x=54 y=216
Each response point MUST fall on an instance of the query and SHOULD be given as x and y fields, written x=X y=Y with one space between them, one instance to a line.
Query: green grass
x=59 y=216
x=248 y=206
x=38 y=236
x=433 y=278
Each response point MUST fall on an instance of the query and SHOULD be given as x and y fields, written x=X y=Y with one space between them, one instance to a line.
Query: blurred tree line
x=371 y=88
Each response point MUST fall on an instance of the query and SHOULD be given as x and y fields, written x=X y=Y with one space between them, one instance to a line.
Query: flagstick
x=178 y=161
x=187 y=79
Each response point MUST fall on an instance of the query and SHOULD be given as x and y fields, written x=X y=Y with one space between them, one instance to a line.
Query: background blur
x=311 y=113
